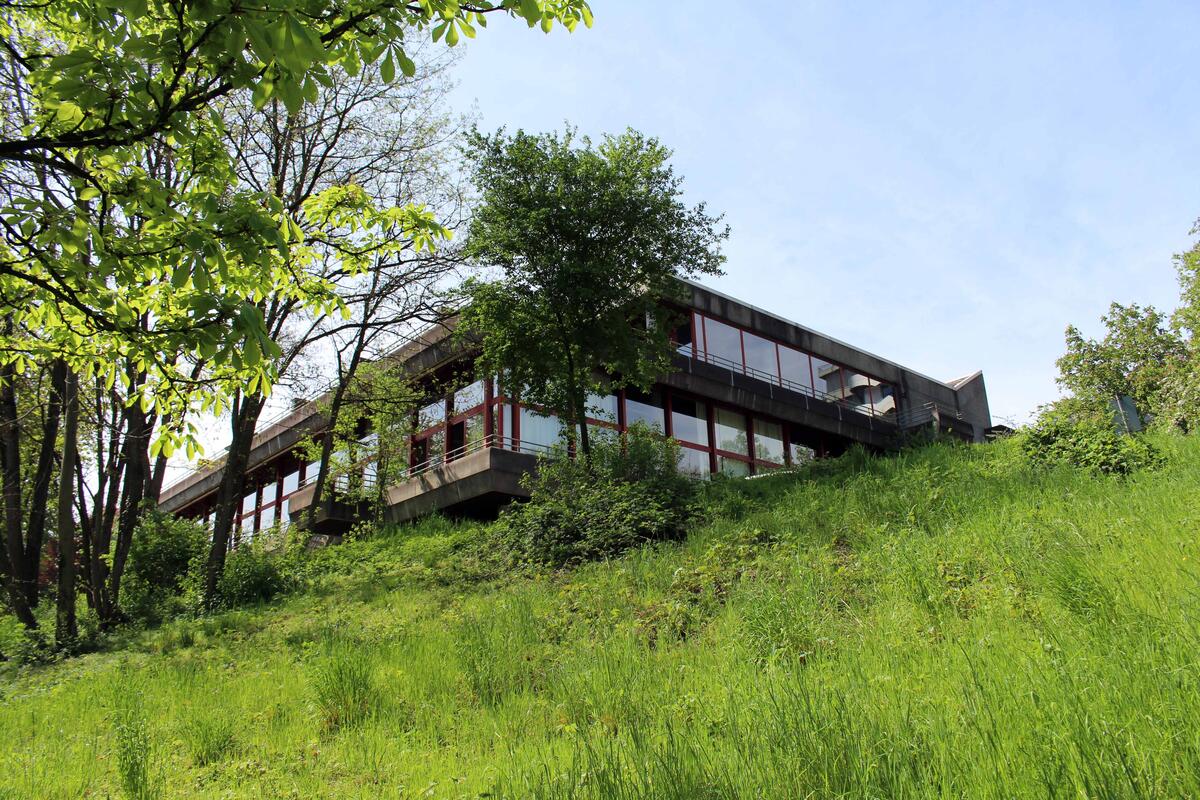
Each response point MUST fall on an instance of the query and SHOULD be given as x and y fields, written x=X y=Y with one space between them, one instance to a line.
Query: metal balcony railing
x=924 y=414
x=687 y=351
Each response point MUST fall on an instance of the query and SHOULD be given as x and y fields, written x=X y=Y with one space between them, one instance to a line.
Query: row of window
x=718 y=342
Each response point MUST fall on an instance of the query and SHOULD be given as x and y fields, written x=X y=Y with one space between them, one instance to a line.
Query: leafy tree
x=1137 y=352
x=129 y=250
x=591 y=240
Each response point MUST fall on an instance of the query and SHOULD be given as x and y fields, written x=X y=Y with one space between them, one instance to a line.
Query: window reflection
x=883 y=397
x=796 y=367
x=431 y=415
x=760 y=357
x=768 y=441
x=694 y=462
x=827 y=378
x=468 y=397
x=539 y=431
x=689 y=420
x=723 y=342
x=732 y=467
x=731 y=431
x=603 y=408
x=647 y=408
x=683 y=337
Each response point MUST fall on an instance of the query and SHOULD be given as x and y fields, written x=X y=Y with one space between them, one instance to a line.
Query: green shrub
x=1071 y=434
x=630 y=493
x=163 y=549
x=251 y=575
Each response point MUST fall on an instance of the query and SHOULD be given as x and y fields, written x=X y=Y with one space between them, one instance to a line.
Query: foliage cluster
x=1073 y=433
x=1144 y=354
x=591 y=240
x=164 y=548
x=628 y=493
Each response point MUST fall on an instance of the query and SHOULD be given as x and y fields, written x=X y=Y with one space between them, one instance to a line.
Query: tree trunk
x=246 y=411
x=65 y=629
x=10 y=465
x=137 y=467
x=327 y=443
x=35 y=527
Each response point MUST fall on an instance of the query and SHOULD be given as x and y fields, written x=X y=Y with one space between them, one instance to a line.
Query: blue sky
x=947 y=185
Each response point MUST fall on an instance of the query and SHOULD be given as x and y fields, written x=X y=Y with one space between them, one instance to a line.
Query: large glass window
x=883 y=396
x=768 y=441
x=539 y=431
x=647 y=408
x=507 y=418
x=723 y=342
x=796 y=367
x=431 y=415
x=828 y=378
x=689 y=420
x=468 y=397
x=474 y=429
x=268 y=494
x=249 y=502
x=291 y=482
x=683 y=337
x=857 y=390
x=732 y=467
x=760 y=357
x=694 y=462
x=267 y=517
x=731 y=432
x=603 y=408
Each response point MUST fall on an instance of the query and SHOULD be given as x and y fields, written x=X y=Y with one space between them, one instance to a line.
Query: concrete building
x=750 y=391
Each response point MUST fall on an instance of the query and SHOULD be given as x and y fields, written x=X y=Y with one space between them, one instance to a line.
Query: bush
x=163 y=549
x=251 y=575
x=1072 y=434
x=630 y=493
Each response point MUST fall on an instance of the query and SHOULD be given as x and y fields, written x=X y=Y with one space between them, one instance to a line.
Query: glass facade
x=539 y=431
x=768 y=441
x=733 y=435
x=713 y=437
x=759 y=357
x=647 y=408
x=689 y=421
x=722 y=342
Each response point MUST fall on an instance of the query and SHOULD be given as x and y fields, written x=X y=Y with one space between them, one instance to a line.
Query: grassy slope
x=944 y=623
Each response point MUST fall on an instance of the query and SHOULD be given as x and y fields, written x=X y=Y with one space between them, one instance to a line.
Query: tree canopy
x=591 y=240
x=126 y=233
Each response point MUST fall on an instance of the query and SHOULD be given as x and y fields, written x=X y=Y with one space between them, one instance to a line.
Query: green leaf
x=531 y=10
x=406 y=64
x=387 y=68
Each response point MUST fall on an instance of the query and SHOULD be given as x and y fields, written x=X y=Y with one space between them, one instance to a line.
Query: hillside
x=947 y=622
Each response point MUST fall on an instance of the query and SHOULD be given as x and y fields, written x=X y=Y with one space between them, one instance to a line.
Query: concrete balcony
x=474 y=484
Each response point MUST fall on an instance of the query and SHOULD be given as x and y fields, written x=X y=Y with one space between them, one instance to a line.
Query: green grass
x=945 y=623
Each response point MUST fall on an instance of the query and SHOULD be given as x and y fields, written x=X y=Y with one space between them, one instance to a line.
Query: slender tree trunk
x=335 y=412
x=65 y=629
x=137 y=467
x=10 y=466
x=35 y=526
x=327 y=444
x=229 y=495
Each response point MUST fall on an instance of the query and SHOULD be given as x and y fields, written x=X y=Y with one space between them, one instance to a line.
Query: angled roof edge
x=793 y=323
